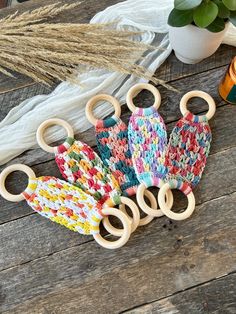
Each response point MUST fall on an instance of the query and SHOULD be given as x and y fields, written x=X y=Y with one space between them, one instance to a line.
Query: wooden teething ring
x=134 y=221
x=150 y=210
x=167 y=211
x=94 y=100
x=125 y=232
x=134 y=90
x=5 y=173
x=147 y=219
x=197 y=93
x=46 y=124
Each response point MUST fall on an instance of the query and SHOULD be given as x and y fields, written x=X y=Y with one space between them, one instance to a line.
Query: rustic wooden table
x=167 y=267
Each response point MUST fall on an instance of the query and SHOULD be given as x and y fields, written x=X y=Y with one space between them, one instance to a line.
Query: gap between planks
x=140 y=306
x=92 y=240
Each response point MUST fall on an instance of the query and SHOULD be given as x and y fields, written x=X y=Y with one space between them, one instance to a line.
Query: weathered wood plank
x=8 y=84
x=32 y=237
x=83 y=13
x=169 y=109
x=216 y=182
x=217 y=296
x=156 y=262
x=13 y=98
x=172 y=69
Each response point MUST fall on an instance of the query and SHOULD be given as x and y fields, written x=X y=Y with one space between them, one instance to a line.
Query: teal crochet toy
x=112 y=142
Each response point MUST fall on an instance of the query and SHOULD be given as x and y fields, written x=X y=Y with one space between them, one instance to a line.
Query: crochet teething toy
x=112 y=142
x=147 y=142
x=187 y=153
x=81 y=166
x=65 y=204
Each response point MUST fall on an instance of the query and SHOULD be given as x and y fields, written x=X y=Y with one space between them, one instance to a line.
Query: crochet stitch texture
x=81 y=166
x=187 y=152
x=64 y=203
x=112 y=143
x=147 y=141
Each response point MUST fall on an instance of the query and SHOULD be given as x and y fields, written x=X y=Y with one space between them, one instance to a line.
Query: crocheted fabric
x=112 y=142
x=187 y=152
x=147 y=141
x=64 y=203
x=81 y=166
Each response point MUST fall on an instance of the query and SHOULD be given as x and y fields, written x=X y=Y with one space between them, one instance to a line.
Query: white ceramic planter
x=193 y=44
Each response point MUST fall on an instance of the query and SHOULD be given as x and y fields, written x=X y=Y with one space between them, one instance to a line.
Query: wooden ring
x=168 y=212
x=94 y=100
x=150 y=210
x=44 y=126
x=143 y=221
x=126 y=231
x=153 y=202
x=5 y=173
x=147 y=219
x=134 y=90
x=134 y=221
x=197 y=93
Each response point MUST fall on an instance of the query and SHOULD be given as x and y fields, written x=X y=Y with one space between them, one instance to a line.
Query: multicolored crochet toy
x=65 y=204
x=80 y=165
x=186 y=154
x=147 y=142
x=112 y=142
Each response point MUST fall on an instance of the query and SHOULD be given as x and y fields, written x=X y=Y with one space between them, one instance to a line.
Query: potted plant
x=197 y=27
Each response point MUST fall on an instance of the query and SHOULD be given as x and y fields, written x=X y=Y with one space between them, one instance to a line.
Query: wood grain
x=172 y=69
x=207 y=298
x=155 y=263
x=36 y=237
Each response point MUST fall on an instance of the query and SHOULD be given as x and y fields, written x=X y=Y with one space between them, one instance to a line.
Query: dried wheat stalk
x=48 y=51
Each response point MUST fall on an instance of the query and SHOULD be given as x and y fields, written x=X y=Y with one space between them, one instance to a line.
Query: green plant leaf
x=232 y=17
x=223 y=12
x=205 y=14
x=230 y=4
x=186 y=4
x=217 y=25
x=178 y=18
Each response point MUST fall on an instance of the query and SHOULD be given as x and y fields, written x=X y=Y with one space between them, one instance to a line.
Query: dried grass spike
x=56 y=51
